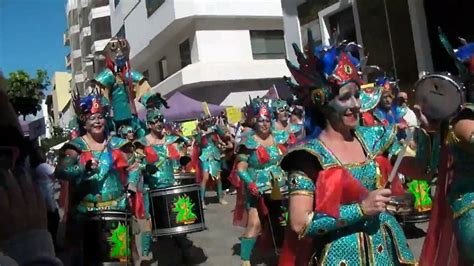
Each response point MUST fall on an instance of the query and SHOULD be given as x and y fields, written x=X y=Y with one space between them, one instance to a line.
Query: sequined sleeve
x=321 y=224
x=106 y=78
x=136 y=76
x=300 y=184
x=394 y=148
x=69 y=169
x=134 y=176
x=243 y=156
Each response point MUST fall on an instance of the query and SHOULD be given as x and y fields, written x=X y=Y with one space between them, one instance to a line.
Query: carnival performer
x=122 y=85
x=95 y=167
x=206 y=151
x=160 y=152
x=134 y=153
x=337 y=180
x=260 y=176
x=281 y=112
x=450 y=235
x=388 y=112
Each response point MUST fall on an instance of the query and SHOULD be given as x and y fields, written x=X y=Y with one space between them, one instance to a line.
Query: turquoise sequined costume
x=119 y=98
x=261 y=171
x=210 y=155
x=161 y=156
x=461 y=194
x=353 y=238
x=264 y=173
x=100 y=189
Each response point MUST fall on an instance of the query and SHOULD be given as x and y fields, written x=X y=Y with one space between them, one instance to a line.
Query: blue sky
x=31 y=35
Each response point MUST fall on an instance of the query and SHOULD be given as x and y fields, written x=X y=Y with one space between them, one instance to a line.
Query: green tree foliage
x=25 y=92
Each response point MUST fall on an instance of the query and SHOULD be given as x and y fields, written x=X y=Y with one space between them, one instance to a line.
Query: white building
x=205 y=48
x=393 y=33
x=88 y=33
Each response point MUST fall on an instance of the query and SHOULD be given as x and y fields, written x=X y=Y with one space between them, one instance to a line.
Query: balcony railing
x=66 y=38
x=68 y=61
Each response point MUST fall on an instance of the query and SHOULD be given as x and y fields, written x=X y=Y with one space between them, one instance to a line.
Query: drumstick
x=400 y=156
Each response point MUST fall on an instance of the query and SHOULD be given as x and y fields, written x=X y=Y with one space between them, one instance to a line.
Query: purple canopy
x=183 y=108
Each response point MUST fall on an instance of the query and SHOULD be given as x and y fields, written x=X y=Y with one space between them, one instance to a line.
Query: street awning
x=238 y=99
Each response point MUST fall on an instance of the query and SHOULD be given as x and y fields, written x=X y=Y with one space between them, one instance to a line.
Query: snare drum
x=182 y=179
x=107 y=238
x=439 y=95
x=176 y=210
x=401 y=205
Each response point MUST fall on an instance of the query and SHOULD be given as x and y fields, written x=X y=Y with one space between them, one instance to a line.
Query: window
x=267 y=44
x=116 y=2
x=146 y=74
x=121 y=32
x=99 y=3
x=100 y=28
x=162 y=68
x=185 y=53
x=152 y=6
x=342 y=23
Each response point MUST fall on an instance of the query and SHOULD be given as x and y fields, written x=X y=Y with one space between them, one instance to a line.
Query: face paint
x=348 y=98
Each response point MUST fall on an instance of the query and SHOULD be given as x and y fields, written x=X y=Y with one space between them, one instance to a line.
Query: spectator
x=24 y=239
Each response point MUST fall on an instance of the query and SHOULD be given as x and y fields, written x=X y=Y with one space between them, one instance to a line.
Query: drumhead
x=439 y=95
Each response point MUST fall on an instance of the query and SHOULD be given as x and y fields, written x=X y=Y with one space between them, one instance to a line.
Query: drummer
x=337 y=196
x=160 y=149
x=258 y=156
x=207 y=156
x=142 y=221
x=95 y=166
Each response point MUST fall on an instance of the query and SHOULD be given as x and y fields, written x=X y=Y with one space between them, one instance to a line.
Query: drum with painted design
x=176 y=210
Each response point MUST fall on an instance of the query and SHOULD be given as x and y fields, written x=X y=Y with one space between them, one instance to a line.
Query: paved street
x=219 y=245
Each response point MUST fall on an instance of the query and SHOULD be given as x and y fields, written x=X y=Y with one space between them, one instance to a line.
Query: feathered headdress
x=258 y=107
x=90 y=104
x=324 y=70
x=124 y=130
x=280 y=105
x=153 y=103
x=387 y=84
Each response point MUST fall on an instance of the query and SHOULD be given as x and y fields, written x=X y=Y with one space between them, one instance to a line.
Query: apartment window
x=116 y=2
x=152 y=6
x=162 y=68
x=343 y=23
x=267 y=44
x=100 y=28
x=185 y=53
x=121 y=32
x=99 y=3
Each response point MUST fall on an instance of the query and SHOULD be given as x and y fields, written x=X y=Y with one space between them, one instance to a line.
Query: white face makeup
x=263 y=124
x=347 y=99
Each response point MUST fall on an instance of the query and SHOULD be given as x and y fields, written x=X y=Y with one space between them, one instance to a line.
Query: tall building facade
x=399 y=36
x=61 y=99
x=204 y=48
x=87 y=34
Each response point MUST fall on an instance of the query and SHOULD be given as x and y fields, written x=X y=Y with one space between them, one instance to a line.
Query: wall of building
x=61 y=92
